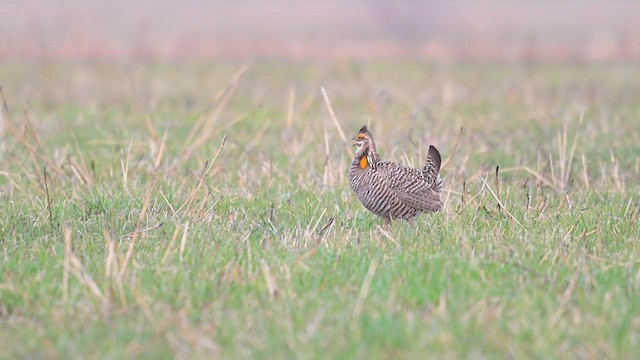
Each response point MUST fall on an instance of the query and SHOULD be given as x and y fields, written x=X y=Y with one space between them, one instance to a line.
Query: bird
x=391 y=190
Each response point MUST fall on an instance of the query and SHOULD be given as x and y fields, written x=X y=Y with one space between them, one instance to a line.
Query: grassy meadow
x=195 y=209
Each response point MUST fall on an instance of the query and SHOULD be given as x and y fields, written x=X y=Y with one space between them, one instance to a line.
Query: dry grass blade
x=324 y=229
x=209 y=213
x=310 y=230
x=143 y=305
x=585 y=173
x=290 y=107
x=203 y=130
x=171 y=244
x=484 y=181
x=80 y=172
x=164 y=197
x=74 y=266
x=530 y=171
x=387 y=235
x=112 y=273
x=364 y=289
x=302 y=257
x=566 y=156
x=46 y=188
x=83 y=164
x=145 y=207
x=325 y=177
x=566 y=296
x=142 y=231
x=148 y=123
x=3 y=123
x=124 y=165
x=34 y=152
x=498 y=187
x=334 y=118
x=137 y=231
x=78 y=270
x=570 y=159
x=451 y=191
x=272 y=285
x=185 y=207
x=183 y=241
x=454 y=151
x=65 y=270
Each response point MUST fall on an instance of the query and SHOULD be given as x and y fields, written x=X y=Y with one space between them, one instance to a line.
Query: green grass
x=271 y=255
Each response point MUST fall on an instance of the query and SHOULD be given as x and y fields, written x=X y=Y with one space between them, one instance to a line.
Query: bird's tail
x=432 y=167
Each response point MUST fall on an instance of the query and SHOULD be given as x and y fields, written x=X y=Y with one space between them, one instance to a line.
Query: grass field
x=201 y=209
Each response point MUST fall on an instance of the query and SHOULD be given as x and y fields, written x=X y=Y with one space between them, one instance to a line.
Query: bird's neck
x=366 y=157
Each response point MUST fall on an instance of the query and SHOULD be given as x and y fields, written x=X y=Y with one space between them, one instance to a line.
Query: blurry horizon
x=328 y=30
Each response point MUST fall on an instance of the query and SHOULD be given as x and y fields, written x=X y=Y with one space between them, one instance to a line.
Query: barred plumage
x=391 y=190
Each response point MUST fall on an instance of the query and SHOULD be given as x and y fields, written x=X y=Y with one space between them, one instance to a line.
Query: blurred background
x=593 y=31
x=106 y=70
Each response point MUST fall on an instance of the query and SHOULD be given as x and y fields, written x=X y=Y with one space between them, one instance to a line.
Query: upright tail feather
x=432 y=167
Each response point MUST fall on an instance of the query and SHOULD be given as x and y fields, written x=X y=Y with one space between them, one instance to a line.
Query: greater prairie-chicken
x=391 y=190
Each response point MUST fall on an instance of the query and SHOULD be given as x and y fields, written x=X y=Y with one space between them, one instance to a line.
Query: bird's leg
x=387 y=223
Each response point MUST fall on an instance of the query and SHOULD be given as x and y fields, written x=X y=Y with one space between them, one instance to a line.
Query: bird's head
x=364 y=141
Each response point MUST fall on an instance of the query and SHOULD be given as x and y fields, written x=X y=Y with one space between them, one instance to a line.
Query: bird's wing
x=425 y=201
x=413 y=187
